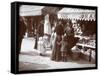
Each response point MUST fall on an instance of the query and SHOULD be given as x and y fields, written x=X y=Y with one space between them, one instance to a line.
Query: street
x=33 y=61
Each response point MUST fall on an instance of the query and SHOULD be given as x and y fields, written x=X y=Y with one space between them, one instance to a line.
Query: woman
x=71 y=40
x=53 y=37
x=56 y=54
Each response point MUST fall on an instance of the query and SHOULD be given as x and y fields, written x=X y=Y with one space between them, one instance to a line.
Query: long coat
x=70 y=39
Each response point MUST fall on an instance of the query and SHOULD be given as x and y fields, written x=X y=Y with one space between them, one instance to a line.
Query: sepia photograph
x=56 y=37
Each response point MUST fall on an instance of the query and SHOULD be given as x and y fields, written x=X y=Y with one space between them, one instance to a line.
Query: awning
x=30 y=10
x=51 y=10
x=77 y=14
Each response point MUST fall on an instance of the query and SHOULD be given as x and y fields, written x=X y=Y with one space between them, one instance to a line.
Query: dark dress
x=71 y=40
x=56 y=54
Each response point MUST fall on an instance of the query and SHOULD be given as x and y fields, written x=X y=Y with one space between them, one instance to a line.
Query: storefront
x=84 y=24
x=32 y=17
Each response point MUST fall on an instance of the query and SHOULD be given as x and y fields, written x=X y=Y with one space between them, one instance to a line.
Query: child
x=41 y=47
x=64 y=47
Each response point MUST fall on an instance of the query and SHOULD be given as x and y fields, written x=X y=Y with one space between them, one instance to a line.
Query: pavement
x=33 y=61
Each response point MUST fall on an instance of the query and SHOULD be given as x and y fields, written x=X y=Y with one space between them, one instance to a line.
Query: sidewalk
x=33 y=61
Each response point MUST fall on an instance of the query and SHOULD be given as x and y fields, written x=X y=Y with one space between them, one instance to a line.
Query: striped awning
x=30 y=10
x=77 y=14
